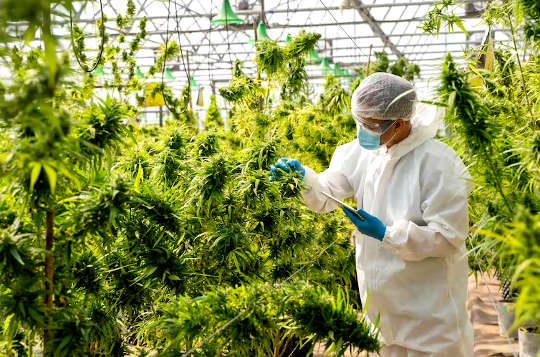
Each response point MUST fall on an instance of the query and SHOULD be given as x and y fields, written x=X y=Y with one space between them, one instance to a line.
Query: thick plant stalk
x=523 y=85
x=49 y=275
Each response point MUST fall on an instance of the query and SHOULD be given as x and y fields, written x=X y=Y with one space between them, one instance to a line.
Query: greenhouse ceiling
x=350 y=30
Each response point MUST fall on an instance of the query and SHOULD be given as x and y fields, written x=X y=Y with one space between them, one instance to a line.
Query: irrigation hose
x=84 y=66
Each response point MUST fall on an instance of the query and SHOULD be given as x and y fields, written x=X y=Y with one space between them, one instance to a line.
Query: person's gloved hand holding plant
x=286 y=165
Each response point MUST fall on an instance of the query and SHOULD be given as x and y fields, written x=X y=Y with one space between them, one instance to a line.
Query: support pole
x=258 y=71
x=263 y=14
x=49 y=276
x=369 y=60
x=375 y=27
x=189 y=80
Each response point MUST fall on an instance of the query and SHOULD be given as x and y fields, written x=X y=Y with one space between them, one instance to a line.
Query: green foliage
x=258 y=328
x=381 y=62
x=169 y=222
x=492 y=121
x=104 y=124
x=466 y=111
x=334 y=99
x=332 y=319
x=269 y=57
x=213 y=117
x=522 y=249
x=242 y=89
x=440 y=14
x=301 y=45
x=401 y=67
x=531 y=10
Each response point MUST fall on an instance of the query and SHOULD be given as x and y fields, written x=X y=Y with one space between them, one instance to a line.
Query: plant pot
x=505 y=314
x=529 y=343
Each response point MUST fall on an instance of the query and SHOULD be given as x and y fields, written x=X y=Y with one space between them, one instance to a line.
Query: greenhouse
x=269 y=178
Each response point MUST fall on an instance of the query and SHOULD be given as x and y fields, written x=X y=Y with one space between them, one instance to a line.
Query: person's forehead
x=374 y=121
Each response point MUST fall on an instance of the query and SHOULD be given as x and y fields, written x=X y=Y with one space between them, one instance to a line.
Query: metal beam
x=248 y=65
x=333 y=39
x=280 y=26
x=217 y=53
x=376 y=28
x=281 y=11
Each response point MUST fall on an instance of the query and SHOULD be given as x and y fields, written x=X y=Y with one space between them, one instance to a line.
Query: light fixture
x=226 y=15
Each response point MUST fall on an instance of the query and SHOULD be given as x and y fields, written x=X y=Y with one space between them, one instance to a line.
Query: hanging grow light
x=99 y=71
x=139 y=73
x=261 y=33
x=347 y=75
x=168 y=75
x=193 y=83
x=313 y=57
x=226 y=15
x=336 y=70
x=325 y=66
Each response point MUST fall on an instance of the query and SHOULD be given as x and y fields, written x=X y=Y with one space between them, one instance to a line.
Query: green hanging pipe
x=226 y=15
x=313 y=57
x=168 y=75
x=325 y=66
x=139 y=73
x=261 y=33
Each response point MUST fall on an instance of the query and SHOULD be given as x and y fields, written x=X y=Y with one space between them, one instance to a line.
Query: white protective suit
x=417 y=276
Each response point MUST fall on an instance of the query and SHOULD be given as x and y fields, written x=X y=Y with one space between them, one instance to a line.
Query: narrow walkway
x=487 y=341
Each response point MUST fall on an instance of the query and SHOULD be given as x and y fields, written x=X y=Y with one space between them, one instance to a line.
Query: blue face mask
x=370 y=140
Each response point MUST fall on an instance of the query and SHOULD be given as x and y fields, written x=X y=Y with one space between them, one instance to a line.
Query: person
x=410 y=247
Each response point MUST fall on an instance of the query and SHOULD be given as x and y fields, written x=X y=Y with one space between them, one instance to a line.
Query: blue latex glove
x=371 y=226
x=286 y=165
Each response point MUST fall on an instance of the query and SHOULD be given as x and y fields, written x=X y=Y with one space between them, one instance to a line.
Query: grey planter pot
x=529 y=343
x=505 y=315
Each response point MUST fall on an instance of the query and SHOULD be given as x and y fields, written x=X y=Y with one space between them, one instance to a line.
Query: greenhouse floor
x=487 y=341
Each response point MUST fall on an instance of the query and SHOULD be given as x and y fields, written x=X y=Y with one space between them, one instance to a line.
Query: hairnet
x=383 y=96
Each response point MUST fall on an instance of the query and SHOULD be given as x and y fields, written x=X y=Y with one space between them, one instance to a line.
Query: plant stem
x=49 y=275
x=496 y=175
x=512 y=30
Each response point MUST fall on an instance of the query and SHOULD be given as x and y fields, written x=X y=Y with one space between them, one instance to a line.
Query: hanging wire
x=165 y=56
x=165 y=61
x=179 y=42
x=210 y=64
x=228 y=43
x=340 y=26
x=84 y=66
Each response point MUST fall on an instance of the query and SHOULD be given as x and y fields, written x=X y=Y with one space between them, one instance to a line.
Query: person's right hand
x=286 y=165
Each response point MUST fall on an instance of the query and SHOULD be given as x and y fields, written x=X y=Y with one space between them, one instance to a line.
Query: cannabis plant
x=492 y=121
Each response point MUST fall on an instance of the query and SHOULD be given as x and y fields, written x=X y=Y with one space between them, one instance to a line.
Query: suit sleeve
x=444 y=188
x=332 y=181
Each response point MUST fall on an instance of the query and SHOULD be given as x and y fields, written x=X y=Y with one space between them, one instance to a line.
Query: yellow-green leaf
x=518 y=13
x=36 y=170
x=138 y=178
x=451 y=101
x=51 y=176
x=459 y=24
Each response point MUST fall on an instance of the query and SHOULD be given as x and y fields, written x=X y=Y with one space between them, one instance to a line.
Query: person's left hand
x=371 y=225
